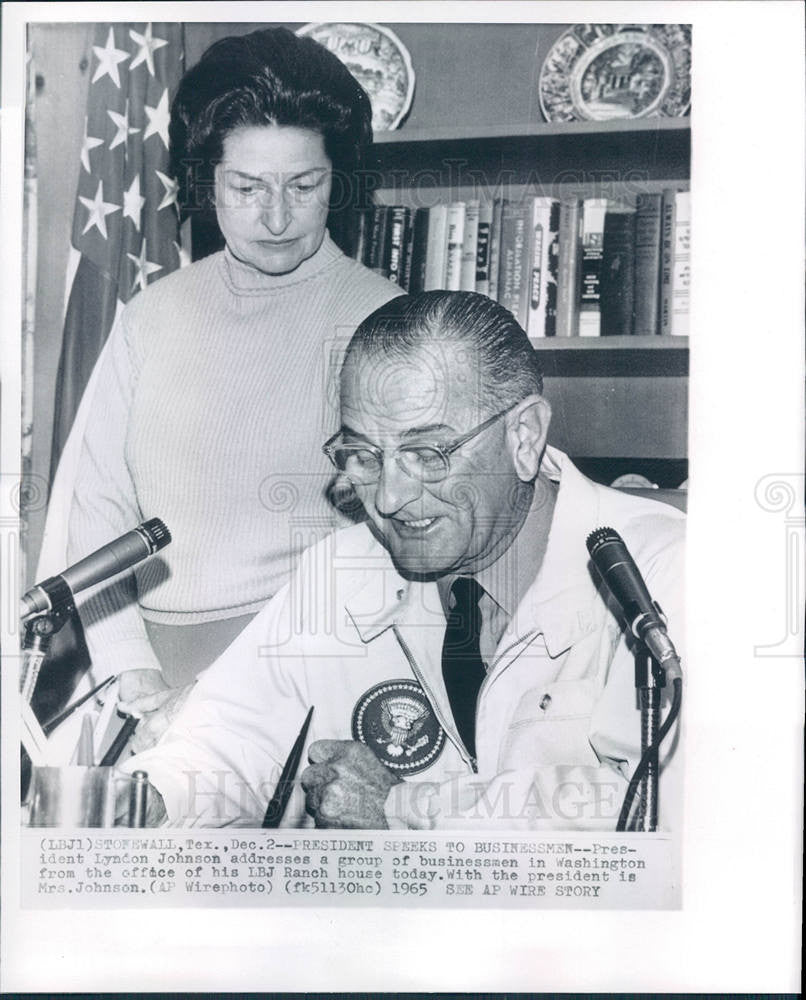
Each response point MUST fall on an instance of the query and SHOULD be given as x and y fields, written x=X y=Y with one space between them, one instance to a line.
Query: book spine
x=437 y=248
x=376 y=249
x=681 y=266
x=456 y=240
x=408 y=241
x=483 y=248
x=513 y=274
x=553 y=270
x=666 y=260
x=495 y=248
x=618 y=273
x=542 y=310
x=568 y=268
x=467 y=278
x=362 y=235
x=398 y=226
x=419 y=246
x=593 y=216
x=647 y=264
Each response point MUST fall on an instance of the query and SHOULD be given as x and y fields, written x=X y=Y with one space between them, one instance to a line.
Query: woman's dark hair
x=505 y=361
x=269 y=77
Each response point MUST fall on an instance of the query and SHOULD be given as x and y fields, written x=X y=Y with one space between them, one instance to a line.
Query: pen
x=57 y=720
x=282 y=793
x=110 y=758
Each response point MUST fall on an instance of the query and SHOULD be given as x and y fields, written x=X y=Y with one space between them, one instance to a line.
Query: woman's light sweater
x=219 y=387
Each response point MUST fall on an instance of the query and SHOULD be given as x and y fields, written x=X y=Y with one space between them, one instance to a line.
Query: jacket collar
x=399 y=602
x=563 y=601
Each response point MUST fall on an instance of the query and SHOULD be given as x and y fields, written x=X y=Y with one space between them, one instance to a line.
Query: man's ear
x=527 y=429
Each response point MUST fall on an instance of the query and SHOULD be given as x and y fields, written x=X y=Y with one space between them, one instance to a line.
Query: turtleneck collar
x=245 y=279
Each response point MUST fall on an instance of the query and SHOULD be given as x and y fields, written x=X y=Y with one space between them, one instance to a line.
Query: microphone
x=111 y=559
x=612 y=559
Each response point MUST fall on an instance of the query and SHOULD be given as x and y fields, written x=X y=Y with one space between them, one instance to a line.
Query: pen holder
x=78 y=796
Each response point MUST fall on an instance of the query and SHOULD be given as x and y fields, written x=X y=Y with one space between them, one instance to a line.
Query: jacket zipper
x=419 y=675
x=519 y=641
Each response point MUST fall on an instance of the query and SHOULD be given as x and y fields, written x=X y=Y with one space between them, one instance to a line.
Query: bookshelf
x=475 y=130
x=633 y=127
x=619 y=403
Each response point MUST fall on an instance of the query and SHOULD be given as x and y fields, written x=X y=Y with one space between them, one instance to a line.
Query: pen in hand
x=110 y=758
x=282 y=793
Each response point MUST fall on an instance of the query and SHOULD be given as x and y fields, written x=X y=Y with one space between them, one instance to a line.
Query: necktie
x=462 y=665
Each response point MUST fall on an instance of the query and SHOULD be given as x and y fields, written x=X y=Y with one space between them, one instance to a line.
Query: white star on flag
x=108 y=59
x=158 y=119
x=148 y=46
x=124 y=130
x=88 y=144
x=144 y=268
x=133 y=202
x=98 y=209
x=171 y=190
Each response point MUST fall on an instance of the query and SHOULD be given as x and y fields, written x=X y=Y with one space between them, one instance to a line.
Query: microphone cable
x=646 y=757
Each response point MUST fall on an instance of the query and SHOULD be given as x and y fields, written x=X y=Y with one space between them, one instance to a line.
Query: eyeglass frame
x=444 y=450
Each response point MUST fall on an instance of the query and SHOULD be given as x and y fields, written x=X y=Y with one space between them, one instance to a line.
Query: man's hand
x=156 y=708
x=346 y=786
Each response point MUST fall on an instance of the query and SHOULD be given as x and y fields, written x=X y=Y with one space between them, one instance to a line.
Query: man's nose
x=395 y=488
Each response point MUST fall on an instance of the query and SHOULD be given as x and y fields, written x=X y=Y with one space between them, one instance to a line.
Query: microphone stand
x=649 y=679
x=656 y=661
x=39 y=632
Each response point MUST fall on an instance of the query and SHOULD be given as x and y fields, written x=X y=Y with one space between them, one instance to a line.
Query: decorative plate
x=597 y=72
x=633 y=481
x=378 y=60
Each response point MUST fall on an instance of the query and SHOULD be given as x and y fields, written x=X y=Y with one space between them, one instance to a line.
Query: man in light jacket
x=466 y=667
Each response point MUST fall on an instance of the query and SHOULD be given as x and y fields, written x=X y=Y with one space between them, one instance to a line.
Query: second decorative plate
x=598 y=72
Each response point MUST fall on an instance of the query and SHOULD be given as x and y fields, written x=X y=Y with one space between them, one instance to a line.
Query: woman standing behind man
x=214 y=398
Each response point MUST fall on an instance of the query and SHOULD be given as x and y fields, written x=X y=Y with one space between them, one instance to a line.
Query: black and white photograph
x=388 y=428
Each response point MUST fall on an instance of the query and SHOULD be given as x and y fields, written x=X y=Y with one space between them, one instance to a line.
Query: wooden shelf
x=611 y=343
x=550 y=156
x=614 y=357
x=474 y=133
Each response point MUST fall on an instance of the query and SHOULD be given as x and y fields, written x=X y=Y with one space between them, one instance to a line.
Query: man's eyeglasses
x=362 y=462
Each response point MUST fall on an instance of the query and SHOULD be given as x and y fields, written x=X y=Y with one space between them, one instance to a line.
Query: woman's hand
x=148 y=698
x=135 y=685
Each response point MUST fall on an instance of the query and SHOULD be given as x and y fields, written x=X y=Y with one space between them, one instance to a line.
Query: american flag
x=126 y=219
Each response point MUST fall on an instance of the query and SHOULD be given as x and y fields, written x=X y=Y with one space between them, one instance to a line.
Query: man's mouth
x=412 y=527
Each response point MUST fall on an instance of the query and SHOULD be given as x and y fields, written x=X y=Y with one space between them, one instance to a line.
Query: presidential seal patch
x=396 y=721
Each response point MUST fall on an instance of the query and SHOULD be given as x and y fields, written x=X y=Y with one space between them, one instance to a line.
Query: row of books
x=564 y=268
